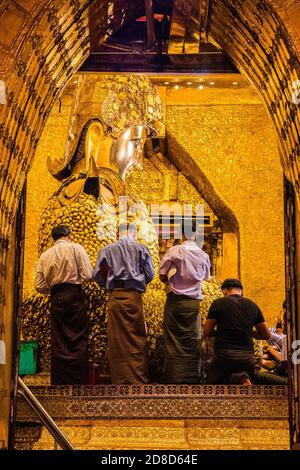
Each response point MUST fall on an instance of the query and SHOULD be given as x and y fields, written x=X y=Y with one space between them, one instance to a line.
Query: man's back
x=60 y=256
x=64 y=262
x=192 y=266
x=124 y=257
x=235 y=318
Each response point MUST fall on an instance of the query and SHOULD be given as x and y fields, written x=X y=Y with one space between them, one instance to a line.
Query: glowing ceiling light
x=176 y=87
x=212 y=83
x=167 y=83
x=201 y=87
x=235 y=83
x=189 y=83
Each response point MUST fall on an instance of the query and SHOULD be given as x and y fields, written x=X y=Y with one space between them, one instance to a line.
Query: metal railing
x=42 y=414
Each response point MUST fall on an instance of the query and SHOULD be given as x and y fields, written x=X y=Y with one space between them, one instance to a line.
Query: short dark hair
x=60 y=231
x=232 y=284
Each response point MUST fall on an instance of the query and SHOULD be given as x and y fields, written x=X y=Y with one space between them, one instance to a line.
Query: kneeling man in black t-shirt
x=231 y=320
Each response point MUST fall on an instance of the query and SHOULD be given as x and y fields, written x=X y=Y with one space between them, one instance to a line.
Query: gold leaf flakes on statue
x=134 y=97
x=93 y=225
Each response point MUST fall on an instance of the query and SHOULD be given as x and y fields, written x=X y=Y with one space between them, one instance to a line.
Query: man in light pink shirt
x=185 y=266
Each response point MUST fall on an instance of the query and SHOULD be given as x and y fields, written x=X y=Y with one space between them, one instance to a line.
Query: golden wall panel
x=216 y=94
x=235 y=148
x=258 y=43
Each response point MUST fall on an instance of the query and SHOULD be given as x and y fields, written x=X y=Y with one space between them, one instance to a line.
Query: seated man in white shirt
x=277 y=375
x=60 y=272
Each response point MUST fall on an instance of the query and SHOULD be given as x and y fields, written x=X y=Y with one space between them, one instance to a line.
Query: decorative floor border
x=158 y=402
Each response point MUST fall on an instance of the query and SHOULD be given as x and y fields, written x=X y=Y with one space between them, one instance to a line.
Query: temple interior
x=213 y=86
x=215 y=147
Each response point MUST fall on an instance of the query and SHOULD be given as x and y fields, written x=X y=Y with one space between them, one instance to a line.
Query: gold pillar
x=5 y=369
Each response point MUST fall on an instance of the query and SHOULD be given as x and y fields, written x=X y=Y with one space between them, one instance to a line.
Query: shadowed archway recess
x=47 y=41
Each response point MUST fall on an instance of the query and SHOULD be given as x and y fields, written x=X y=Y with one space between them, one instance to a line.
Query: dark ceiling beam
x=177 y=30
x=162 y=6
x=150 y=24
x=188 y=26
x=210 y=62
x=205 y=7
x=192 y=30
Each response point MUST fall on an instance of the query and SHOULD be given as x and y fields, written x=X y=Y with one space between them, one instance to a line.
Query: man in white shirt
x=185 y=266
x=61 y=271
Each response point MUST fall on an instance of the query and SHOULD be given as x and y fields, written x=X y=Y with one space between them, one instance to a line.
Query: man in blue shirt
x=125 y=268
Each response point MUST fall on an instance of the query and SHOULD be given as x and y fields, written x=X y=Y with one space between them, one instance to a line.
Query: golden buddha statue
x=99 y=163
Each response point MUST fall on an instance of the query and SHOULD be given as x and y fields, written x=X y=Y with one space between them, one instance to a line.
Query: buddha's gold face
x=127 y=149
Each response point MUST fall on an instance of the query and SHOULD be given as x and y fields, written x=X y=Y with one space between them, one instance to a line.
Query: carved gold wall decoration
x=165 y=434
